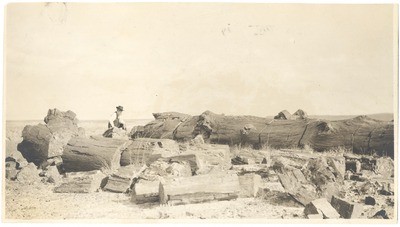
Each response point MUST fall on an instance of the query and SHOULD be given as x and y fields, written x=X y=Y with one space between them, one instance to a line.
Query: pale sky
x=237 y=59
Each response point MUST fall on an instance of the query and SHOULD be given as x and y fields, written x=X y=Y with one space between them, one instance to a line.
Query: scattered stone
x=53 y=176
x=249 y=185
x=356 y=177
x=81 y=182
x=338 y=164
x=29 y=174
x=164 y=168
x=387 y=189
x=321 y=206
x=385 y=167
x=353 y=165
x=347 y=209
x=381 y=215
x=19 y=159
x=370 y=201
x=198 y=140
x=11 y=170
x=273 y=193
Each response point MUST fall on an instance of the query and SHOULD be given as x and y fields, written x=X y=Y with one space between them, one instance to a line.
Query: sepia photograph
x=186 y=112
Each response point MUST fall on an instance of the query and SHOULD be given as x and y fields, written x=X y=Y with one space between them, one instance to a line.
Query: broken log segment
x=200 y=188
x=41 y=142
x=321 y=206
x=145 y=192
x=142 y=150
x=81 y=182
x=86 y=154
x=121 y=181
x=347 y=209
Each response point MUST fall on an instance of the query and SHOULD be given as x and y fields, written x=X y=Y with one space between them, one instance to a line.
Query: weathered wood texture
x=121 y=180
x=200 y=188
x=81 y=182
x=144 y=150
x=361 y=134
x=86 y=154
x=43 y=141
x=163 y=126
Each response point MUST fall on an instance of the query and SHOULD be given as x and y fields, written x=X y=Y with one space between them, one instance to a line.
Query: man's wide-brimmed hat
x=121 y=108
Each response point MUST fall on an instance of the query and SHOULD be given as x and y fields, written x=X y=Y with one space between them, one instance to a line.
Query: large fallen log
x=361 y=134
x=41 y=142
x=86 y=154
x=200 y=188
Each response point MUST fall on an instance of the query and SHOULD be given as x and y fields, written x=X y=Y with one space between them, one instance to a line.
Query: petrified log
x=145 y=192
x=210 y=156
x=200 y=188
x=163 y=126
x=81 y=182
x=86 y=154
x=44 y=141
x=321 y=206
x=361 y=134
x=347 y=210
x=142 y=149
x=121 y=180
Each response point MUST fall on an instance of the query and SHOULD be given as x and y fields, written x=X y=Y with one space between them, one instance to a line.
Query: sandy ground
x=37 y=201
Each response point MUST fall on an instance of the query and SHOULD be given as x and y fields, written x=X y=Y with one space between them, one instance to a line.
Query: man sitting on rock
x=116 y=119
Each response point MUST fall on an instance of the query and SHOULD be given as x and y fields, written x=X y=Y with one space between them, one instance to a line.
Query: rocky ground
x=31 y=195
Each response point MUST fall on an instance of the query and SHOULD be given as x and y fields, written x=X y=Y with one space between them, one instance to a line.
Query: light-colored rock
x=321 y=206
x=249 y=185
x=81 y=182
x=29 y=174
